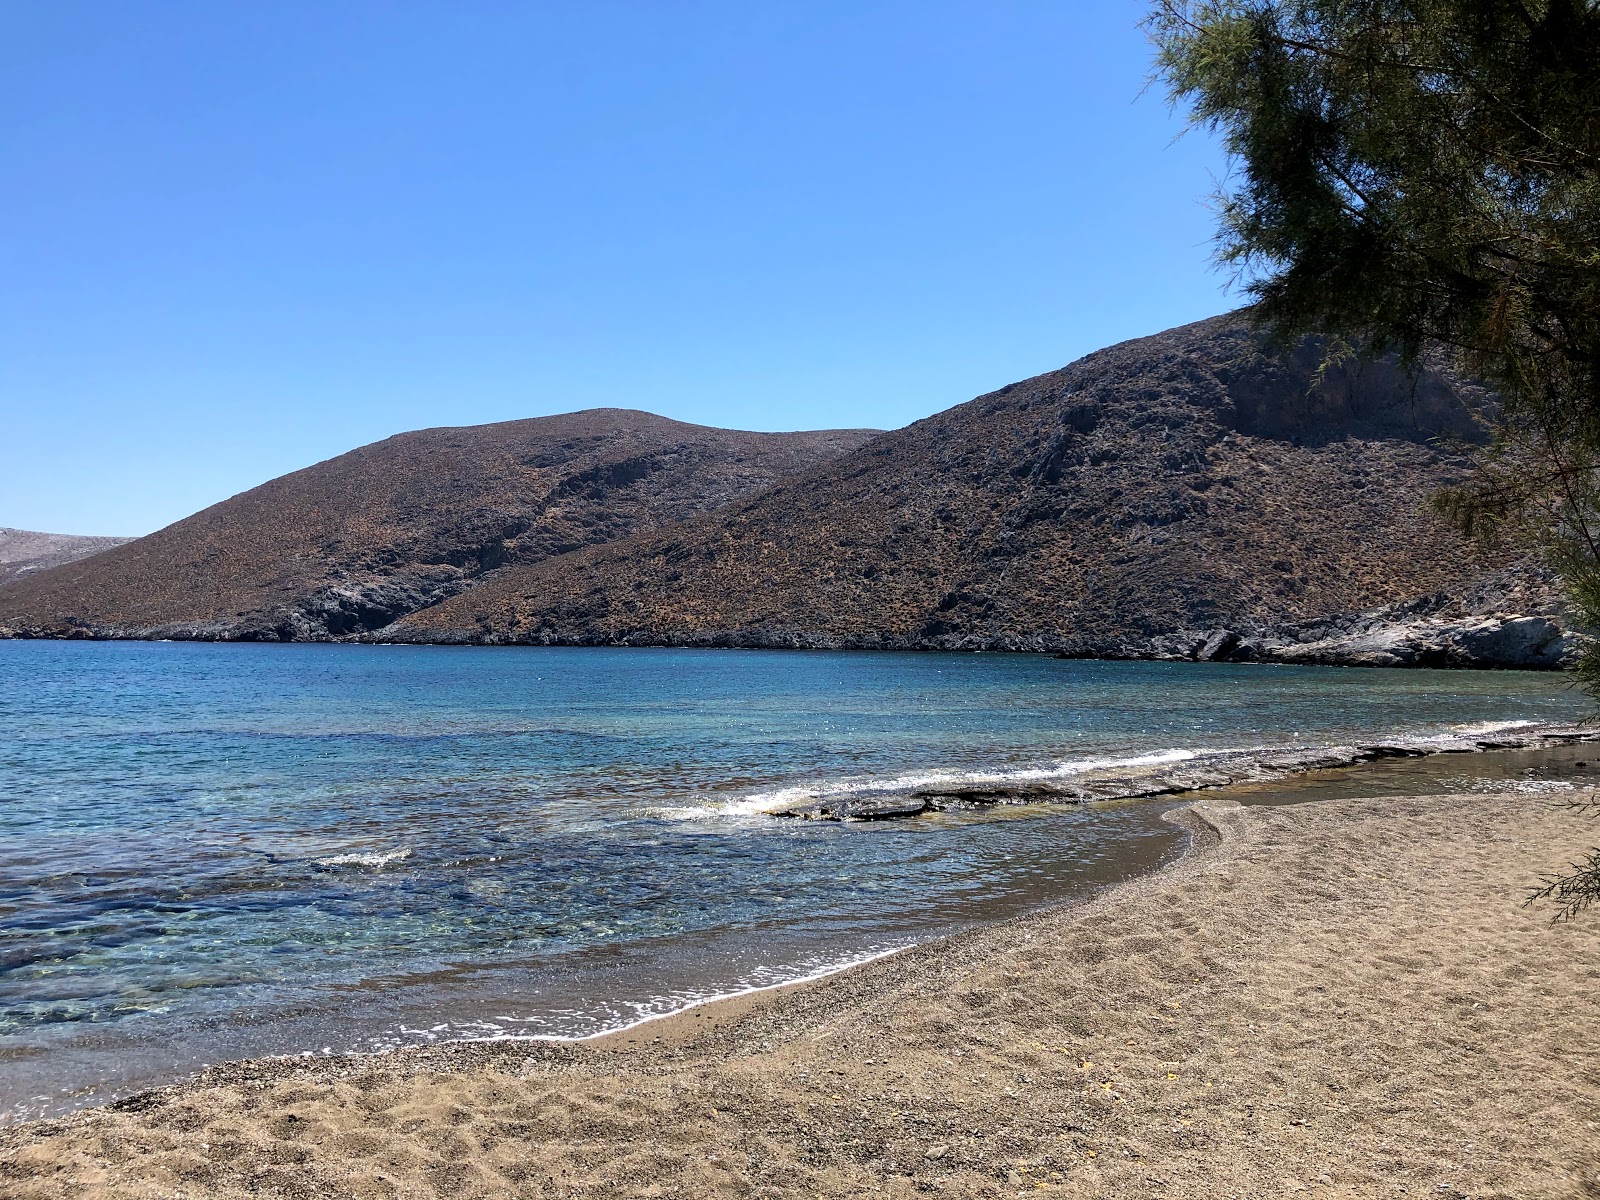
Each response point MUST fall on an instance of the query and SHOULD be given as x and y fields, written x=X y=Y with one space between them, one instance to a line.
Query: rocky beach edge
x=1167 y=773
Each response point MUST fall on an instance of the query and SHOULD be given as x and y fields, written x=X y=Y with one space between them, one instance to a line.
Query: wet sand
x=1344 y=998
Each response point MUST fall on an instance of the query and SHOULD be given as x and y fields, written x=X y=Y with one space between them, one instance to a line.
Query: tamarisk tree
x=1411 y=174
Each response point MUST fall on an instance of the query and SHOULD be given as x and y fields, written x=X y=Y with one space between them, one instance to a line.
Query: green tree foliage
x=1410 y=173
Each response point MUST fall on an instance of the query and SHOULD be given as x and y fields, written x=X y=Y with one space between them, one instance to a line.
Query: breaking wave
x=1157 y=772
x=371 y=859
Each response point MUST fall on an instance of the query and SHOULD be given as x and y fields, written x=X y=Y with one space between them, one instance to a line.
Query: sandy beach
x=1343 y=998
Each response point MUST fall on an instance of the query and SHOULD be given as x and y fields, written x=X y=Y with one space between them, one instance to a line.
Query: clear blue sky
x=239 y=238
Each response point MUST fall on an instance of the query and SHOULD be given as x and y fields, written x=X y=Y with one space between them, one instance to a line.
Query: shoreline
x=1175 y=772
x=1301 y=1001
x=672 y=1026
x=1178 y=775
x=1435 y=646
x=1246 y=774
x=683 y=1026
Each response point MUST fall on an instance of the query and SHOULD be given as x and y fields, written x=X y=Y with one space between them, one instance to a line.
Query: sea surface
x=211 y=852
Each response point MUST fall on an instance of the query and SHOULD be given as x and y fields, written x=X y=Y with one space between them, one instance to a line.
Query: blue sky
x=240 y=238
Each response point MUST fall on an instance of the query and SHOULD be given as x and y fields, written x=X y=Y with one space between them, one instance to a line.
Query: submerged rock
x=886 y=808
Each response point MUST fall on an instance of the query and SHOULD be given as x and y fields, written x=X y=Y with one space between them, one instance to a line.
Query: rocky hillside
x=23 y=552
x=1514 y=617
x=1192 y=494
x=352 y=543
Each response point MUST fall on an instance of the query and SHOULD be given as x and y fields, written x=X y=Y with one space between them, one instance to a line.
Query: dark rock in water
x=885 y=809
x=987 y=797
x=1393 y=750
x=812 y=812
x=966 y=797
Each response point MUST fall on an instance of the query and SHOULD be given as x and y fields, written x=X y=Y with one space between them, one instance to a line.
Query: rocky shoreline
x=1512 y=619
x=1196 y=771
x=1399 y=636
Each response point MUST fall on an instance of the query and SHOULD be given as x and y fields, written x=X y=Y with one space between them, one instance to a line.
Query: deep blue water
x=212 y=851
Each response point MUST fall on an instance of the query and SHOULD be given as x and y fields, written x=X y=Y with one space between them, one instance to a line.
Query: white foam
x=1492 y=726
x=1524 y=787
x=832 y=968
x=765 y=803
x=375 y=859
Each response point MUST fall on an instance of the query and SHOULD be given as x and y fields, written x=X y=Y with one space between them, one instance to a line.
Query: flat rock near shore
x=1196 y=771
x=1342 y=999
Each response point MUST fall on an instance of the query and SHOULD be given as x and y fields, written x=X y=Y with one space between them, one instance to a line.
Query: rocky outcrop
x=23 y=552
x=1535 y=643
x=1197 y=494
x=1513 y=618
x=354 y=543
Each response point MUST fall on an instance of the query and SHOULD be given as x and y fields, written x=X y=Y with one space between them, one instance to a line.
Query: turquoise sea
x=223 y=851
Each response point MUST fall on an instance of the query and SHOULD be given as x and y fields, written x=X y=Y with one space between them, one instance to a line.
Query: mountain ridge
x=357 y=540
x=24 y=551
x=1199 y=493
x=1131 y=504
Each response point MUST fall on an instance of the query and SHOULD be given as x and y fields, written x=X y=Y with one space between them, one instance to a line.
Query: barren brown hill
x=22 y=551
x=1140 y=501
x=352 y=543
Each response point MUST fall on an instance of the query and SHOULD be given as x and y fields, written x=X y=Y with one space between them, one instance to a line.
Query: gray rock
x=887 y=808
x=1219 y=645
x=1521 y=641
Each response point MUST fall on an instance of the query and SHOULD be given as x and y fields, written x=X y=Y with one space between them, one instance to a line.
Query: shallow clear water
x=218 y=851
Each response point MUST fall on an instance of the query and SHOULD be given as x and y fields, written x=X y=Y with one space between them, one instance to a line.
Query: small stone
x=936 y=1152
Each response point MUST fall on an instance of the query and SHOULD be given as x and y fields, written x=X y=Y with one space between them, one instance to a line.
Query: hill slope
x=1128 y=504
x=22 y=551
x=354 y=542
